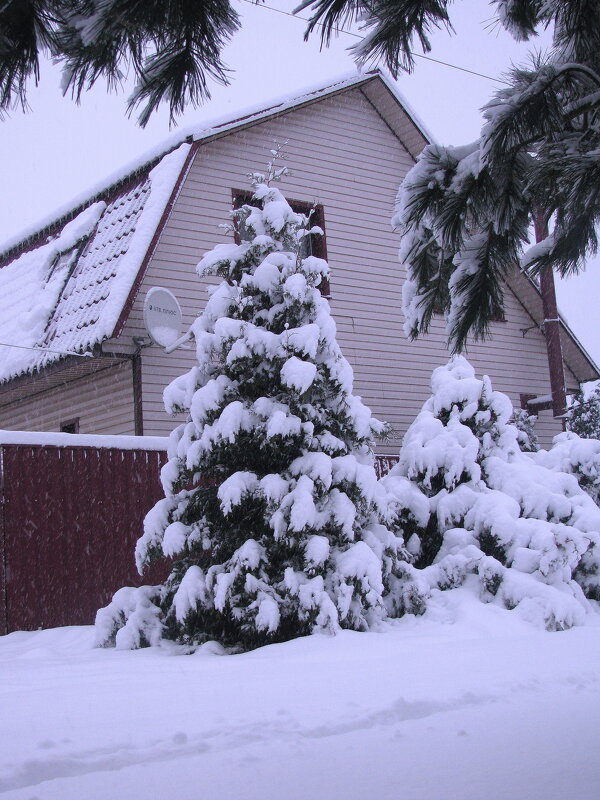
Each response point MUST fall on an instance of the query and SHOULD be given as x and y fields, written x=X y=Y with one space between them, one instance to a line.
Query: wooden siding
x=343 y=155
x=103 y=402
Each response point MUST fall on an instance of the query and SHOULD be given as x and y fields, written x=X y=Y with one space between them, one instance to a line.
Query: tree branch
x=572 y=67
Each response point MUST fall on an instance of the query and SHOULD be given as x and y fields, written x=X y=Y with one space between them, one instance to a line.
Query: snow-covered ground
x=467 y=702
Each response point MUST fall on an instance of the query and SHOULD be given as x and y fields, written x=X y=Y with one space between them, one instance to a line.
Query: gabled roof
x=574 y=353
x=66 y=284
x=374 y=85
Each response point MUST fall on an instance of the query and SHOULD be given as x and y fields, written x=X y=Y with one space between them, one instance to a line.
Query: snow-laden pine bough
x=273 y=514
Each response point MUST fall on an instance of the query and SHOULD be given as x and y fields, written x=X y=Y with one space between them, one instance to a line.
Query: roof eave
x=214 y=131
x=575 y=356
x=125 y=311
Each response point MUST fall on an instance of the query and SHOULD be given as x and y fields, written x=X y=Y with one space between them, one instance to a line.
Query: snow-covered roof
x=65 y=281
x=66 y=294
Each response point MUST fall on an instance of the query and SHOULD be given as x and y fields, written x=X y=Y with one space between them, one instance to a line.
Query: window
x=70 y=426
x=313 y=245
x=64 y=262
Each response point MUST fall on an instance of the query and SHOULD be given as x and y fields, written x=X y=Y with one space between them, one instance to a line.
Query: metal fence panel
x=69 y=521
x=71 y=518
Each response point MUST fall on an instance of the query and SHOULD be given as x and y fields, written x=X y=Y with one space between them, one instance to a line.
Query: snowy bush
x=272 y=510
x=579 y=457
x=524 y=422
x=583 y=417
x=578 y=450
x=517 y=521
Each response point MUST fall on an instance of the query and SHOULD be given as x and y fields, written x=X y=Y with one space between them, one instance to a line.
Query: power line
x=358 y=36
x=48 y=350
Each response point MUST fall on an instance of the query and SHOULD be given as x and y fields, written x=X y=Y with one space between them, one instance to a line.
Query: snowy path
x=483 y=707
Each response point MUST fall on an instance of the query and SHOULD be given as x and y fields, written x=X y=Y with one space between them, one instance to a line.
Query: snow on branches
x=465 y=213
x=515 y=525
x=273 y=515
x=272 y=510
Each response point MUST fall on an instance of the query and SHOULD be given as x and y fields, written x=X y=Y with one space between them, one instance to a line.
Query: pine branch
x=391 y=26
x=26 y=29
x=579 y=68
x=330 y=15
x=521 y=17
x=585 y=104
x=172 y=46
x=476 y=294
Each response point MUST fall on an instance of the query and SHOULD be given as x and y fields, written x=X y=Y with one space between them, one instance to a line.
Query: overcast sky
x=58 y=149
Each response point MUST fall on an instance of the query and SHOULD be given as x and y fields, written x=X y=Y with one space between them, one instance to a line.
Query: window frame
x=241 y=197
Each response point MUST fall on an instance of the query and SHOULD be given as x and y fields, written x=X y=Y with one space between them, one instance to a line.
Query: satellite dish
x=162 y=316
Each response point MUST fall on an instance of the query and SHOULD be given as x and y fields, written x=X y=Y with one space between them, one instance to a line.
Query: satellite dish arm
x=188 y=336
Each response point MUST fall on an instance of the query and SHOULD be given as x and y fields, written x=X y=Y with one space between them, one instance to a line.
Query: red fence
x=383 y=464
x=69 y=520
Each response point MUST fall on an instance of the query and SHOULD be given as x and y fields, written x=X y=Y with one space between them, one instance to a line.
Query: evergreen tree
x=465 y=212
x=524 y=422
x=584 y=414
x=272 y=509
x=520 y=531
x=171 y=46
x=577 y=451
x=577 y=455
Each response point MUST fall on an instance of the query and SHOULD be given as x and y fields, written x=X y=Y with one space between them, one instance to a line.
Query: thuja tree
x=584 y=414
x=272 y=509
x=578 y=449
x=512 y=525
x=524 y=422
x=578 y=456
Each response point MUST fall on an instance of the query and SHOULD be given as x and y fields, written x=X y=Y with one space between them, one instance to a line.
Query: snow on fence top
x=383 y=464
x=83 y=440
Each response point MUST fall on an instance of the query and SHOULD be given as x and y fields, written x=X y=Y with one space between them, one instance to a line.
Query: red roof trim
x=126 y=310
x=42 y=236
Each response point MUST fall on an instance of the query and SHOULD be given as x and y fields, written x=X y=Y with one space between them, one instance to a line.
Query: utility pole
x=551 y=327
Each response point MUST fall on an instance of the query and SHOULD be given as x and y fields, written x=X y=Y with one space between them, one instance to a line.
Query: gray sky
x=58 y=149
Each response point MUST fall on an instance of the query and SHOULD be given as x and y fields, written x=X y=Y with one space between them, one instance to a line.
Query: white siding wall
x=343 y=155
x=103 y=402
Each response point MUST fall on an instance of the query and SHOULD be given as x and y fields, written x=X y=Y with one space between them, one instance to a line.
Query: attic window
x=313 y=245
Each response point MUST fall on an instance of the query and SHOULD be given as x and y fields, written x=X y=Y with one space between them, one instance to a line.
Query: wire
x=48 y=350
x=358 y=36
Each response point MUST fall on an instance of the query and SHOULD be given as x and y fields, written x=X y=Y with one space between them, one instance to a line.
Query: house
x=73 y=291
